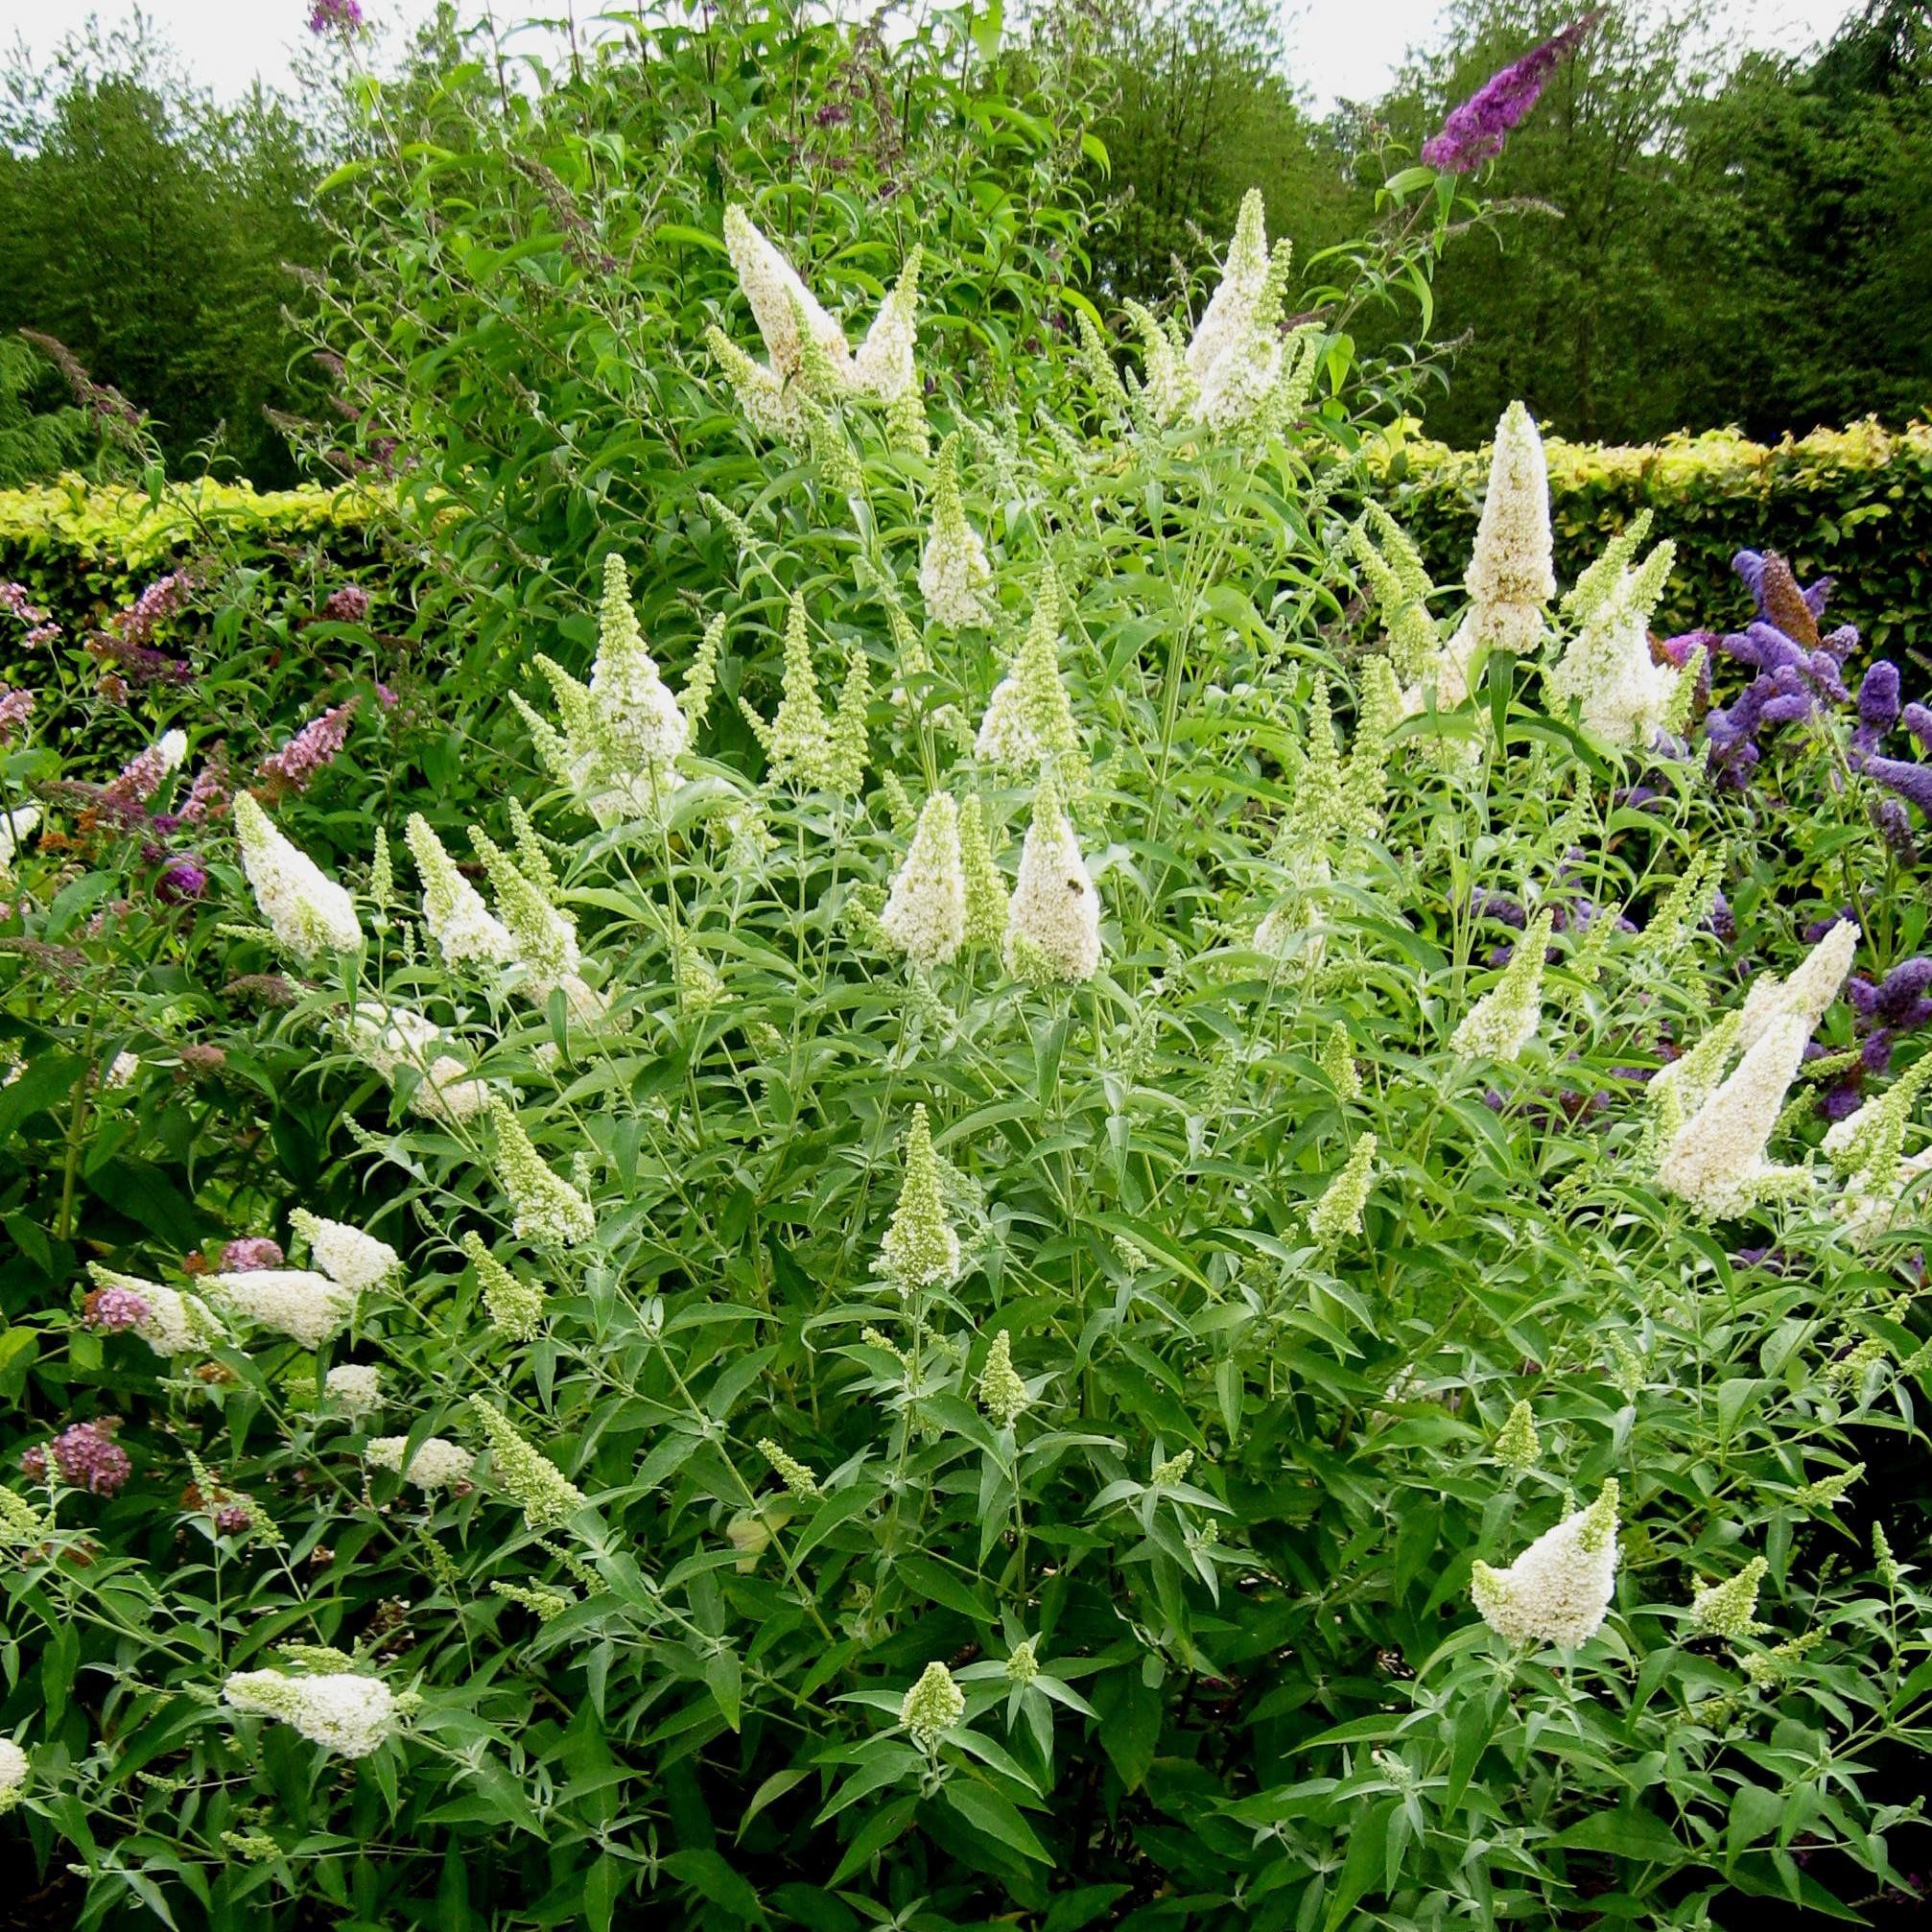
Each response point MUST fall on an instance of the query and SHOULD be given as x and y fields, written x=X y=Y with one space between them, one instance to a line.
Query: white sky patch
x=1338 y=48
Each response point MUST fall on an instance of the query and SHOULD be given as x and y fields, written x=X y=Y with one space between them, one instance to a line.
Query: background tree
x=147 y=230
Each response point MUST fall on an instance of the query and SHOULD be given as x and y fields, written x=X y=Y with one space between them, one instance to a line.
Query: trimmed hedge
x=1853 y=504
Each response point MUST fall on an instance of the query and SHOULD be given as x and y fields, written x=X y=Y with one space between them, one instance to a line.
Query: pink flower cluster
x=254 y=1251
x=162 y=598
x=208 y=794
x=349 y=604
x=86 y=1455
x=16 y=707
x=112 y=1310
x=40 y=628
x=140 y=778
x=311 y=749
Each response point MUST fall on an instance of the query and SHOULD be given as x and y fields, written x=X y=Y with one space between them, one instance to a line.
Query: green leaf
x=999 y=1818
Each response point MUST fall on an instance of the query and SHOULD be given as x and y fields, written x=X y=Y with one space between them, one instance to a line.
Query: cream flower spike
x=1559 y=1589
x=1224 y=326
x=780 y=301
x=1716 y=1160
x=884 y=365
x=1510 y=578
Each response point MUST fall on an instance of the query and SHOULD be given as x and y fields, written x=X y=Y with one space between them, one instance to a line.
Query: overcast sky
x=1341 y=47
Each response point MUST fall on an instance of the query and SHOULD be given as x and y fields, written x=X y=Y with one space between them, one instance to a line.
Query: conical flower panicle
x=1517 y=1445
x=461 y=923
x=1684 y=907
x=516 y=1307
x=787 y=312
x=920 y=1249
x=985 y=889
x=884 y=365
x=1510 y=578
x=1003 y=1395
x=1320 y=788
x=1601 y=577
x=545 y=938
x=1365 y=789
x=1807 y=995
x=1730 y=1609
x=544 y=1208
x=700 y=677
x=798 y=1480
x=639 y=725
x=1228 y=321
x=1558 y=1591
x=1623 y=695
x=1504 y=1021
x=1053 y=919
x=545 y=1495
x=1029 y=718
x=1239 y=388
x=348 y=1256
x=1400 y=588
x=846 y=742
x=797 y=742
x=340 y=1710
x=1716 y=1162
x=931 y=1708
x=954 y=573
x=925 y=916
x=765 y=399
x=1338 y=1213
x=1167 y=388
x=306 y=910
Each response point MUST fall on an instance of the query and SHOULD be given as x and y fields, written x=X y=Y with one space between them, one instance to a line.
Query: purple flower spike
x=1476 y=131
x=1902 y=999
x=337 y=16
x=1894 y=824
x=1878 y=700
x=1500 y=905
x=1840 y=1102
x=1917 y=721
x=183 y=882
x=1913 y=782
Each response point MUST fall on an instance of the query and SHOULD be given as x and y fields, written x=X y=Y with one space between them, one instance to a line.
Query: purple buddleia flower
x=251 y=1252
x=1901 y=1000
x=1476 y=131
x=1819 y=927
x=1913 y=782
x=1917 y=718
x=1722 y=922
x=86 y=1455
x=183 y=881
x=112 y=1310
x=349 y=604
x=335 y=17
x=1502 y=906
x=1766 y=575
x=1840 y=1102
x=311 y=751
x=1893 y=825
x=1877 y=706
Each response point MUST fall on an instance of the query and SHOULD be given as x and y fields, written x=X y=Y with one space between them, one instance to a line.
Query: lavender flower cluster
x=1798 y=667
x=1476 y=131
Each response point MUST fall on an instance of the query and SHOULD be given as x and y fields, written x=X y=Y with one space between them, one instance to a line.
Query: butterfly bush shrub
x=1127 y=1249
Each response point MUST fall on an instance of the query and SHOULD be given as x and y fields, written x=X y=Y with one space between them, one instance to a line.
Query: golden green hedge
x=1853 y=504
